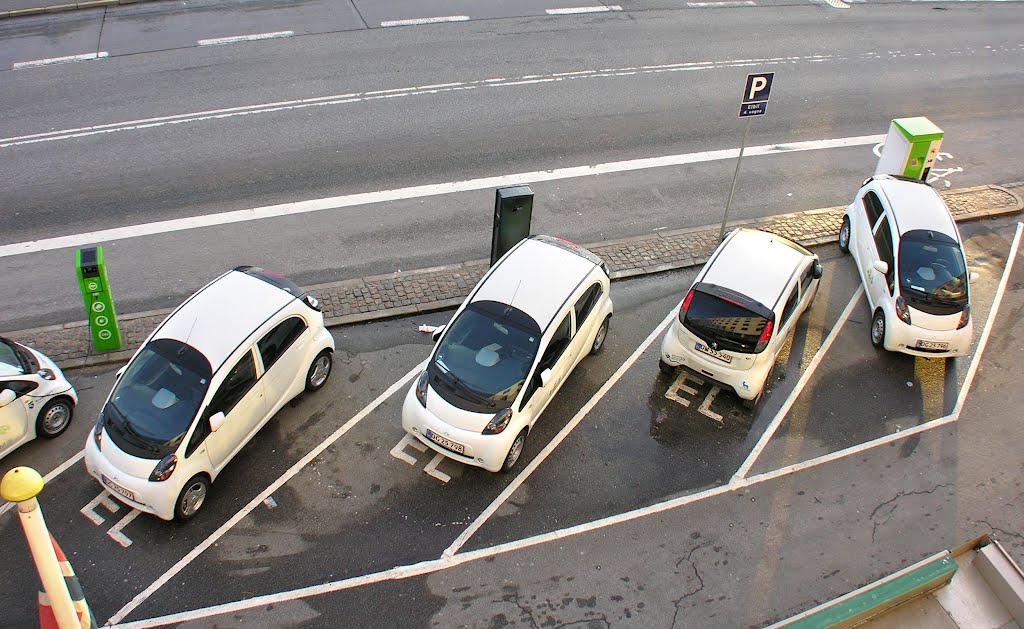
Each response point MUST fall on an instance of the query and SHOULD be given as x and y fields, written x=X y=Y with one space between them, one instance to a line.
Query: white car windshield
x=485 y=356
x=933 y=277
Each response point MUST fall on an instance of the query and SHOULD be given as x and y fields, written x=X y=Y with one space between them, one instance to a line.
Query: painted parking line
x=107 y=501
x=416 y=192
x=408 y=441
x=220 y=41
x=263 y=495
x=21 y=65
x=416 y=21
x=578 y=10
x=447 y=561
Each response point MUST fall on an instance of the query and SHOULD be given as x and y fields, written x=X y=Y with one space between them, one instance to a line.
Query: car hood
x=453 y=415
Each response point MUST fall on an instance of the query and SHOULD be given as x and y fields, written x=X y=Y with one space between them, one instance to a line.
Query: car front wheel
x=599 y=338
x=191 y=498
x=319 y=371
x=844 y=235
x=54 y=418
x=515 y=451
x=878 y=329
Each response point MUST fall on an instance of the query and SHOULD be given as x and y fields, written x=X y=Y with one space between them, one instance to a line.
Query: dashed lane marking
x=21 y=65
x=220 y=41
x=577 y=10
x=721 y=5
x=416 y=21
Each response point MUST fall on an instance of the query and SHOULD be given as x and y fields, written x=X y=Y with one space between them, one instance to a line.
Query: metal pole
x=743 y=145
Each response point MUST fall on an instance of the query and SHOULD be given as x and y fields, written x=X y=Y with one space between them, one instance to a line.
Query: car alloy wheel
x=54 y=418
x=878 y=329
x=844 y=235
x=319 y=371
x=599 y=338
x=191 y=498
x=515 y=451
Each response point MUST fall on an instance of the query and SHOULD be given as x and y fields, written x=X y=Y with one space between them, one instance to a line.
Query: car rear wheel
x=666 y=368
x=599 y=338
x=844 y=235
x=878 y=329
x=191 y=498
x=54 y=418
x=515 y=452
x=319 y=371
x=751 y=405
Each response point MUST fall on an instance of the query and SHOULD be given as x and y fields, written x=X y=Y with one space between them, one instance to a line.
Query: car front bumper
x=486 y=451
x=149 y=497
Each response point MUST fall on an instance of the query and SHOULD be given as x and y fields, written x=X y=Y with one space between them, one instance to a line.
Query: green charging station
x=99 y=304
x=911 y=147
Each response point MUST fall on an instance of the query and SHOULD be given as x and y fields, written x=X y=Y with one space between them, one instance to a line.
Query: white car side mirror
x=6 y=397
x=216 y=421
x=545 y=377
x=436 y=334
x=974 y=275
x=880 y=266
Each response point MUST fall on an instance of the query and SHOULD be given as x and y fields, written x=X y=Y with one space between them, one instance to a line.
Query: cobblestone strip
x=404 y=293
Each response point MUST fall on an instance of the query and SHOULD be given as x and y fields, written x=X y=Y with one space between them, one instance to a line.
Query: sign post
x=754 y=103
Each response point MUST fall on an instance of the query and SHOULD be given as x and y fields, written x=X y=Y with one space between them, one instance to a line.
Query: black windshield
x=933 y=277
x=484 y=357
x=156 y=399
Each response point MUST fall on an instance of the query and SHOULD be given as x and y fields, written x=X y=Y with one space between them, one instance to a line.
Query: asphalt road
x=357 y=521
x=494 y=96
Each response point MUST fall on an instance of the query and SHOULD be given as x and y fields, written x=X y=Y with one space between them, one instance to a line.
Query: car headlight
x=902 y=311
x=965 y=317
x=97 y=432
x=421 y=389
x=164 y=468
x=499 y=422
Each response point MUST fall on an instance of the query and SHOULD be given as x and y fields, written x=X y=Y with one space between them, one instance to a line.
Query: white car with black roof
x=508 y=350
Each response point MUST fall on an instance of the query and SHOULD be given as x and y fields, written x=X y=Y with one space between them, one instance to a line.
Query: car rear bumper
x=904 y=338
x=746 y=383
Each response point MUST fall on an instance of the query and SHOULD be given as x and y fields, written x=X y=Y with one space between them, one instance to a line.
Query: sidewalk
x=19 y=8
x=425 y=290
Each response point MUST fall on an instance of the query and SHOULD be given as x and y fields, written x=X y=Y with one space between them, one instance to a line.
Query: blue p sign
x=755 y=94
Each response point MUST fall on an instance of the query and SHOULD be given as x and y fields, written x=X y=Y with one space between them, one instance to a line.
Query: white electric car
x=739 y=311
x=509 y=348
x=908 y=252
x=36 y=400
x=201 y=386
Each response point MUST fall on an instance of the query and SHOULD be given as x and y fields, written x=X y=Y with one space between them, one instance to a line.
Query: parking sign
x=755 y=94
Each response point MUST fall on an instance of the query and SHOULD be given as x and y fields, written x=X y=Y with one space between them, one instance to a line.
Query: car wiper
x=138 y=438
x=474 y=396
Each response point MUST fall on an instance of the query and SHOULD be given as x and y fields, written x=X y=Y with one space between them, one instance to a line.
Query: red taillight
x=685 y=305
x=766 y=335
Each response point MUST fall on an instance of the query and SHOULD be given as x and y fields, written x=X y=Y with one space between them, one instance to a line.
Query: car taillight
x=902 y=311
x=965 y=317
x=499 y=422
x=685 y=305
x=47 y=374
x=421 y=389
x=766 y=335
x=164 y=468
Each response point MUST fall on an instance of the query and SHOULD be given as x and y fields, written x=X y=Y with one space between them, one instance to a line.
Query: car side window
x=790 y=307
x=277 y=341
x=586 y=303
x=883 y=242
x=872 y=207
x=240 y=379
x=559 y=341
x=20 y=387
x=806 y=279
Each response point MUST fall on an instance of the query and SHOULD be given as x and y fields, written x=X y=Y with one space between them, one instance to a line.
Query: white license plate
x=447 y=443
x=117 y=488
x=725 y=358
x=931 y=345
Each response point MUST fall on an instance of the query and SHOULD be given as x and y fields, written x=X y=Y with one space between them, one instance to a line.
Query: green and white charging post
x=99 y=304
x=911 y=147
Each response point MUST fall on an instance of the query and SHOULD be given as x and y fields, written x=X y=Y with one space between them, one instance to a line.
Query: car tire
x=751 y=405
x=844 y=235
x=600 y=337
x=319 y=371
x=878 y=329
x=515 y=452
x=192 y=498
x=666 y=368
x=54 y=418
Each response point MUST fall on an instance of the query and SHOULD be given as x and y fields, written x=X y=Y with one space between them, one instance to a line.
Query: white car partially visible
x=36 y=400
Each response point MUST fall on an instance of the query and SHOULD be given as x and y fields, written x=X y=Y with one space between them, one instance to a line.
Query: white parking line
x=447 y=561
x=220 y=41
x=416 y=192
x=89 y=510
x=115 y=531
x=258 y=500
x=21 y=65
x=399 y=450
x=801 y=383
x=431 y=469
x=576 y=10
x=425 y=20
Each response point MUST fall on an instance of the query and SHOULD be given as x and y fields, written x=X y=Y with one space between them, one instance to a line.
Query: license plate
x=446 y=443
x=931 y=345
x=117 y=488
x=725 y=358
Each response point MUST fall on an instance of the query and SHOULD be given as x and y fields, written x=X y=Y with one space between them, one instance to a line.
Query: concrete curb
x=413 y=292
x=58 y=8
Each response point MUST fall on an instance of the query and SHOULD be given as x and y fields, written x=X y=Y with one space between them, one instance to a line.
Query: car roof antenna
x=513 y=300
x=181 y=349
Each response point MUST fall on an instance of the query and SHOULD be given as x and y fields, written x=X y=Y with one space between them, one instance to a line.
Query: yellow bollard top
x=21 y=484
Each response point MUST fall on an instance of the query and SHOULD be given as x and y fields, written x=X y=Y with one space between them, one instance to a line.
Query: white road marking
x=110 y=504
x=801 y=383
x=54 y=473
x=399 y=450
x=721 y=5
x=425 y=20
x=705 y=407
x=461 y=540
x=115 y=531
x=21 y=65
x=89 y=510
x=680 y=385
x=415 y=192
x=451 y=561
x=575 y=10
x=431 y=469
x=220 y=41
x=258 y=500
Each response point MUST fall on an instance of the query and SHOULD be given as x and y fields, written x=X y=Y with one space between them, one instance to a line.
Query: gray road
x=641 y=83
